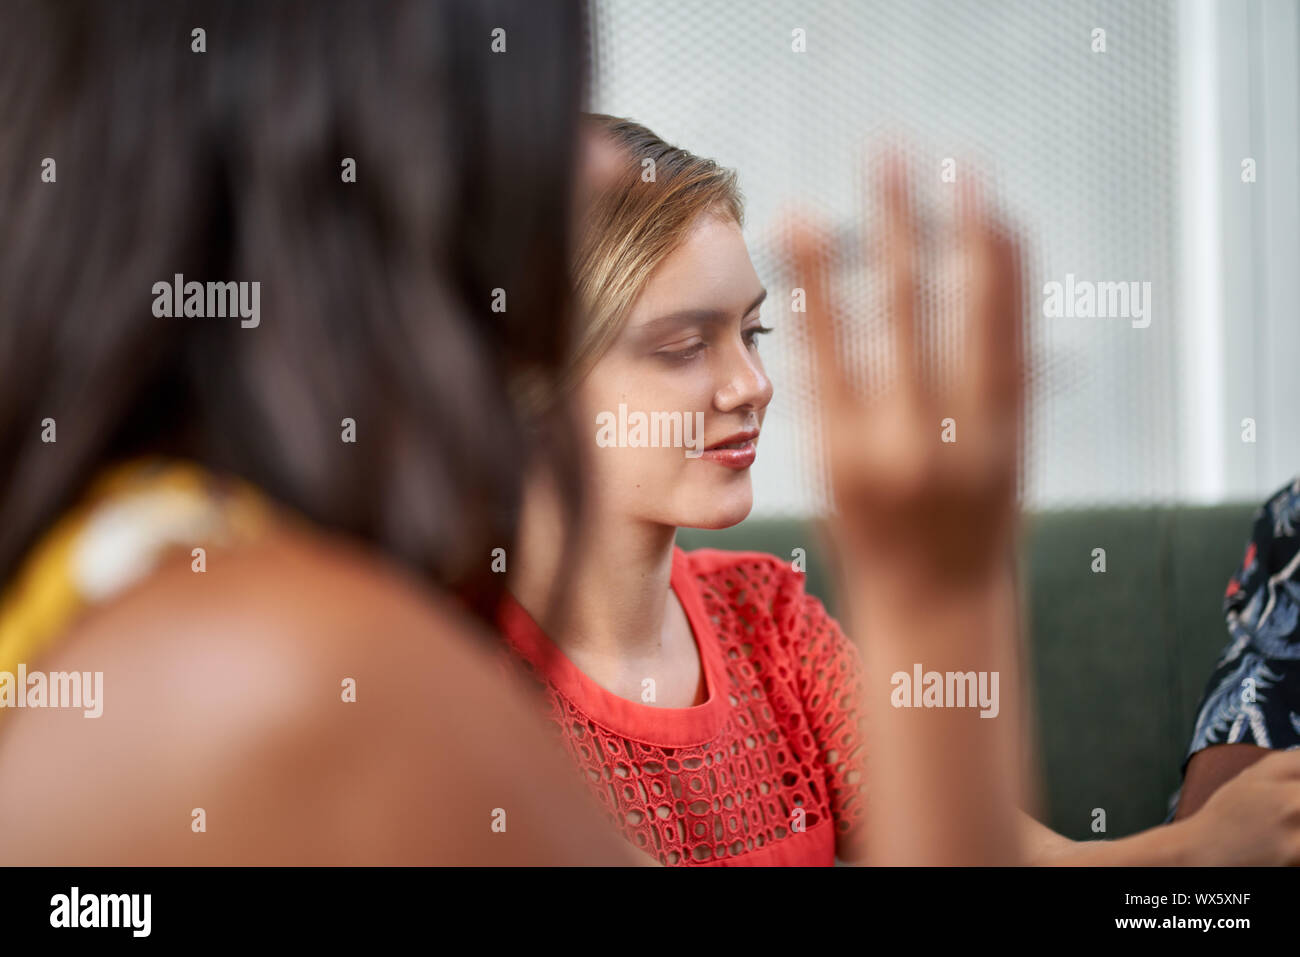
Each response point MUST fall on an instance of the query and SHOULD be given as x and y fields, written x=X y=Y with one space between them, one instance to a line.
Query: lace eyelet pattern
x=787 y=758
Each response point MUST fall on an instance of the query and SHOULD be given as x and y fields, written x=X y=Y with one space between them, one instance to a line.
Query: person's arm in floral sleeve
x=1252 y=702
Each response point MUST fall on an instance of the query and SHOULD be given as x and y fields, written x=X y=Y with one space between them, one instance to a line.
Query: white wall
x=1121 y=165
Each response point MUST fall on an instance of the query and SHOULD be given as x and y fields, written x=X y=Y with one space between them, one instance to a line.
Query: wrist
x=892 y=607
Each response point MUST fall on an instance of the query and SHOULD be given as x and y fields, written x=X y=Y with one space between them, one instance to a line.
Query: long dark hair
x=376 y=295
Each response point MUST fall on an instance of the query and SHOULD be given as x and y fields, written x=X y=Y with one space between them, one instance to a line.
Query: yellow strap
x=171 y=499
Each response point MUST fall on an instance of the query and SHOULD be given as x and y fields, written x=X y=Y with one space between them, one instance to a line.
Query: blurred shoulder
x=1273 y=549
x=315 y=702
x=295 y=605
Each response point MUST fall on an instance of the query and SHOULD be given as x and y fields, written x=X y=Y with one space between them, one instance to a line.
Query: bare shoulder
x=301 y=701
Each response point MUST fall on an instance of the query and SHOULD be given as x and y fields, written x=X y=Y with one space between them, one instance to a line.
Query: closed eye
x=749 y=335
x=681 y=355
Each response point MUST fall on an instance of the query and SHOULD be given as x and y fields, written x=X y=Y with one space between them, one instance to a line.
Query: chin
x=721 y=515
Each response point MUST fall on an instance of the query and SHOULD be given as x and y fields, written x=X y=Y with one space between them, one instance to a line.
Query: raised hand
x=924 y=534
x=911 y=505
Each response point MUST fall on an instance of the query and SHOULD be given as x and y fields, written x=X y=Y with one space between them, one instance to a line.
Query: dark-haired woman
x=266 y=545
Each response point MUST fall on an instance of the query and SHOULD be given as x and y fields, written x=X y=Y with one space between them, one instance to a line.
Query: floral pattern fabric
x=1253 y=697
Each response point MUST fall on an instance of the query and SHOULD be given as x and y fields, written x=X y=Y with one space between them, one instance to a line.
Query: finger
x=993 y=306
x=810 y=252
x=900 y=269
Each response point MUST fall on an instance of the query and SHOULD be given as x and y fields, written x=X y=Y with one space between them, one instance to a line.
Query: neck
x=617 y=573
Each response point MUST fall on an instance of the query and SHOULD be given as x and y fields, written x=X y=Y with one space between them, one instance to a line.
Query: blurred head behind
x=376 y=295
x=670 y=306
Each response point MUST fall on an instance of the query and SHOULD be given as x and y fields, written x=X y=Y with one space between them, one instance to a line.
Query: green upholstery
x=1119 y=659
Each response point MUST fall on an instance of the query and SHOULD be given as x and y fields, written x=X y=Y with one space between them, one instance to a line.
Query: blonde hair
x=637 y=217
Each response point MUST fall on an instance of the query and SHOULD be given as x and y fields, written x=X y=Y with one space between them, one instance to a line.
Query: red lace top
x=767 y=770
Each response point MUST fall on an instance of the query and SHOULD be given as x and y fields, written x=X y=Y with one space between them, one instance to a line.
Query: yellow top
x=131 y=518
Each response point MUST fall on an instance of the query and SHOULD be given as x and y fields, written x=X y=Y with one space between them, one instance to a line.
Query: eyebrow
x=656 y=324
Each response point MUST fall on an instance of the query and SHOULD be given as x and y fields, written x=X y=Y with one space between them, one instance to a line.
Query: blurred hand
x=912 y=507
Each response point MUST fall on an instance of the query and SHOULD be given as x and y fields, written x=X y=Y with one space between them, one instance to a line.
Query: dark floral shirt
x=1253 y=697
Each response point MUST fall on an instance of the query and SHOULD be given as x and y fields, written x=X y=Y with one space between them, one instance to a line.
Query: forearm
x=1039 y=844
x=1167 y=845
x=944 y=783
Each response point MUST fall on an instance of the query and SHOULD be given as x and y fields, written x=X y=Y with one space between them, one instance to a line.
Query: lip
x=740 y=457
x=747 y=436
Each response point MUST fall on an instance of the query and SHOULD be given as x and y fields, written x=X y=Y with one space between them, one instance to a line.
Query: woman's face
x=674 y=407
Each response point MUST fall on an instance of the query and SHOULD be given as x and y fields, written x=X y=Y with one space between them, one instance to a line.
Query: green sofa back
x=1119 y=659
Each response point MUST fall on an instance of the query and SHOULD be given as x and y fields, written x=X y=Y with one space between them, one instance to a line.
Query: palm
x=924 y=475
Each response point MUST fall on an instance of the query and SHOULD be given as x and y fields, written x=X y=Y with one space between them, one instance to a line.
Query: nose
x=745 y=385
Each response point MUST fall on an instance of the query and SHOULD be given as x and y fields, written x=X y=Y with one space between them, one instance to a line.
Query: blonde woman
x=717 y=711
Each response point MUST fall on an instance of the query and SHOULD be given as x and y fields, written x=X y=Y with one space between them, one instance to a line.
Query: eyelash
x=685 y=355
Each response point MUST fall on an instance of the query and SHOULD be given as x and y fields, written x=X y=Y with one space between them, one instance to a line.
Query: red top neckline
x=665 y=727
